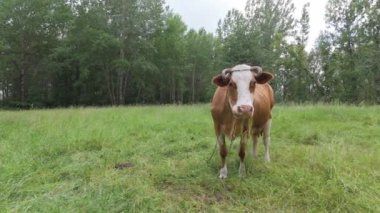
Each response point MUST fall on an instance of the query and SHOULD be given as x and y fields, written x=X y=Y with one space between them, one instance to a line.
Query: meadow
x=325 y=158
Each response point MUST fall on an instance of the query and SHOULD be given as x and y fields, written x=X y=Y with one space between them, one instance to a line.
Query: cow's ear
x=264 y=77
x=220 y=80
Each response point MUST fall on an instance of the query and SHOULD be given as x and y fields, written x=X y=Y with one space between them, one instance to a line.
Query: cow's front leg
x=267 y=128
x=254 y=144
x=243 y=142
x=223 y=154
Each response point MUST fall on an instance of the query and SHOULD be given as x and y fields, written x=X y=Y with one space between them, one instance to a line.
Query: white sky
x=206 y=13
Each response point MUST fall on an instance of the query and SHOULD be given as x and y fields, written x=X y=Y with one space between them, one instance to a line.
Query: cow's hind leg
x=267 y=128
x=223 y=154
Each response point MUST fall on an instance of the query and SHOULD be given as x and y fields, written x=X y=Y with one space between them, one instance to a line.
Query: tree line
x=115 y=52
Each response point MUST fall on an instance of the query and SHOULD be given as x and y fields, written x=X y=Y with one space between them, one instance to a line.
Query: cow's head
x=241 y=81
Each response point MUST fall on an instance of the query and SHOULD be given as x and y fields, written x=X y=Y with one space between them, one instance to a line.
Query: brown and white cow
x=242 y=106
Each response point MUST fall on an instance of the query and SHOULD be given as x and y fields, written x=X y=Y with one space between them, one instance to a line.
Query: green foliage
x=259 y=37
x=29 y=31
x=116 y=52
x=324 y=158
x=349 y=47
x=199 y=46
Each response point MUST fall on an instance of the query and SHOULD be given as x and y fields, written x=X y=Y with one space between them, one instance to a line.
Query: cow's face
x=241 y=81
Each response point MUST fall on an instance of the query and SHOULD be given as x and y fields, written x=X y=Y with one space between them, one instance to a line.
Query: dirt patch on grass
x=121 y=166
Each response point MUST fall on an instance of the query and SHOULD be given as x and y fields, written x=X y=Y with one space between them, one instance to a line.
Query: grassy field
x=324 y=158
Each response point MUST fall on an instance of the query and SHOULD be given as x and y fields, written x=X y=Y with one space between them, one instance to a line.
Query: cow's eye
x=252 y=84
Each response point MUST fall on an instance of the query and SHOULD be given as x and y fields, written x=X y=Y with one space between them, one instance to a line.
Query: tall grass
x=324 y=158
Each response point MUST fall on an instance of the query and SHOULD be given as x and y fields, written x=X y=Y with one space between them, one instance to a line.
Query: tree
x=115 y=52
x=170 y=59
x=270 y=23
x=199 y=68
x=30 y=30
x=354 y=42
x=108 y=53
x=258 y=37
x=296 y=76
x=134 y=23
x=233 y=34
x=304 y=26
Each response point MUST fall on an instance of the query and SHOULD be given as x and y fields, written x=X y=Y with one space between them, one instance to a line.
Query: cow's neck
x=239 y=127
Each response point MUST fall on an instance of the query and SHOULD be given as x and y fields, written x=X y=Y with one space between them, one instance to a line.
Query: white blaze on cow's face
x=241 y=88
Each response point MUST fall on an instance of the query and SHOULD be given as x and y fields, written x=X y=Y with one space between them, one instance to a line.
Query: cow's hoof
x=222 y=176
x=223 y=173
x=267 y=158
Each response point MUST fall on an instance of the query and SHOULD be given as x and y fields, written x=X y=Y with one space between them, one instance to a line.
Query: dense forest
x=56 y=53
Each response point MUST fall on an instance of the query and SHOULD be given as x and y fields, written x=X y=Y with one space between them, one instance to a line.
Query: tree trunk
x=120 y=81
x=6 y=90
x=110 y=86
x=22 y=84
x=125 y=84
x=21 y=81
x=193 y=86
x=173 y=86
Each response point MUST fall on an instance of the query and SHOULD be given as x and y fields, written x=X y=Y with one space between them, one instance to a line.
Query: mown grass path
x=324 y=158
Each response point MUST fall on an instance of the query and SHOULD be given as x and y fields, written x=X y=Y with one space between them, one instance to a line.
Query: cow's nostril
x=244 y=109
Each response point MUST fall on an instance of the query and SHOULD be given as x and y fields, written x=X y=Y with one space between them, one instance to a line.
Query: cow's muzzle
x=244 y=111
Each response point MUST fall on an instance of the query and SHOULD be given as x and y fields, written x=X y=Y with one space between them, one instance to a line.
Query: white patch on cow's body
x=223 y=172
x=267 y=127
x=242 y=80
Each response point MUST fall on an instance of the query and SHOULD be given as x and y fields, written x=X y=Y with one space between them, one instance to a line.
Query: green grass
x=324 y=158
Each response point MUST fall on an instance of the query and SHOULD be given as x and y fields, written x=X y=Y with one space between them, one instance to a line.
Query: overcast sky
x=206 y=13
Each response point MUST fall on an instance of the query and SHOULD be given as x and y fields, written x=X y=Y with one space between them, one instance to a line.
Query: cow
x=242 y=106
